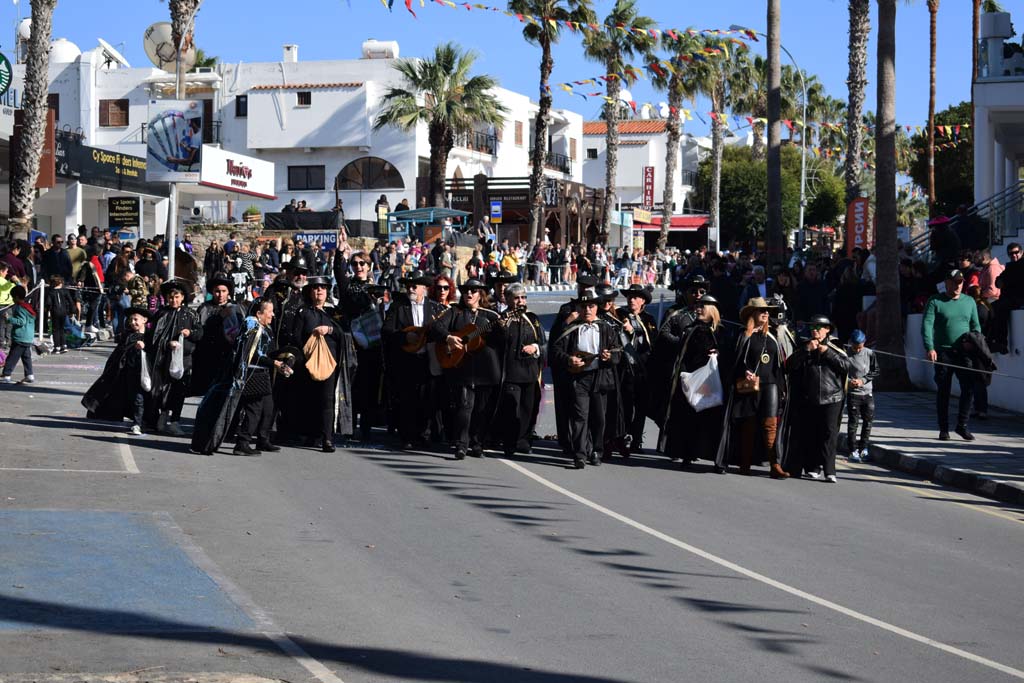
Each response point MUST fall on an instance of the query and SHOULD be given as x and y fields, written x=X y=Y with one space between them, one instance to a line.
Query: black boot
x=244 y=449
x=267 y=447
x=327 y=444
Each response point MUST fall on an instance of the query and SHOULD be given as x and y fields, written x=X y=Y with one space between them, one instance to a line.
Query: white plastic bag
x=703 y=387
x=145 y=381
x=177 y=367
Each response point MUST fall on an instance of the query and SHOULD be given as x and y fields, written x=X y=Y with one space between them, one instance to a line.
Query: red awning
x=678 y=224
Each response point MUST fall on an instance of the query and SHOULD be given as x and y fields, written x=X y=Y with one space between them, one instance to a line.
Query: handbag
x=752 y=385
x=257 y=383
x=366 y=329
x=319 y=361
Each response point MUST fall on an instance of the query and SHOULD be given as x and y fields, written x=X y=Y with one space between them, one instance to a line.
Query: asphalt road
x=376 y=565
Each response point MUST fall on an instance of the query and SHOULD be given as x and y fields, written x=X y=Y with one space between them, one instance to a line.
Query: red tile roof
x=639 y=127
x=306 y=86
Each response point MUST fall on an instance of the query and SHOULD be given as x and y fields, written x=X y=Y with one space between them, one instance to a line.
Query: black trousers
x=860 y=415
x=515 y=411
x=562 y=395
x=59 y=333
x=474 y=408
x=822 y=432
x=944 y=381
x=633 y=392
x=174 y=398
x=586 y=415
x=256 y=415
x=411 y=398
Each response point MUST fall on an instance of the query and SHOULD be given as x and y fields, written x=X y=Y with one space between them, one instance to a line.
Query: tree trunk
x=714 y=212
x=675 y=103
x=757 y=148
x=933 y=10
x=774 y=237
x=540 y=145
x=856 y=80
x=438 y=136
x=890 y=317
x=611 y=153
x=25 y=168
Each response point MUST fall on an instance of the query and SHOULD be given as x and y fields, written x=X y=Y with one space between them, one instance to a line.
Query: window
x=241 y=106
x=519 y=133
x=306 y=178
x=113 y=113
x=591 y=152
x=572 y=149
x=303 y=98
x=369 y=173
x=53 y=102
x=499 y=132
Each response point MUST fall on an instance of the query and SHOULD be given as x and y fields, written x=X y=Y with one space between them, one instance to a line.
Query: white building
x=312 y=120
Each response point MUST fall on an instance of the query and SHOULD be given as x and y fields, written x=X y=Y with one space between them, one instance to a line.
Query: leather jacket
x=818 y=378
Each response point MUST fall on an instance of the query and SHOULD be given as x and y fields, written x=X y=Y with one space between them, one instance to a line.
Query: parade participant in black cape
x=640 y=331
x=616 y=433
x=310 y=411
x=472 y=384
x=498 y=282
x=818 y=370
x=405 y=342
x=254 y=360
x=687 y=293
x=523 y=355
x=221 y=321
x=285 y=293
x=756 y=389
x=444 y=294
x=173 y=321
x=359 y=300
x=118 y=393
x=566 y=315
x=586 y=352
x=687 y=435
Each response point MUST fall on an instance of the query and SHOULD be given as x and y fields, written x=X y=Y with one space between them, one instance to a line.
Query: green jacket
x=23 y=324
x=947 y=319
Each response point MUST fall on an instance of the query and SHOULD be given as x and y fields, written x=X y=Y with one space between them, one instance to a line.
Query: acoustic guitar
x=472 y=338
x=587 y=357
x=419 y=342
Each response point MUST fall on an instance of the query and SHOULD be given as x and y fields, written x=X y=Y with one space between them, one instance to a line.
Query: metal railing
x=478 y=142
x=556 y=162
x=1003 y=212
x=211 y=136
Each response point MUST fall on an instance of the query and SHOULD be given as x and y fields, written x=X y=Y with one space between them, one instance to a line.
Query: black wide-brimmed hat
x=707 y=300
x=585 y=281
x=296 y=265
x=588 y=296
x=218 y=280
x=315 y=281
x=288 y=355
x=634 y=291
x=695 y=281
x=416 y=277
x=606 y=292
x=138 y=310
x=820 y=321
x=473 y=283
x=171 y=285
x=501 y=276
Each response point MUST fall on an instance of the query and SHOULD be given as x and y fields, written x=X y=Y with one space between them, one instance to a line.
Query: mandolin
x=421 y=339
x=587 y=357
x=472 y=337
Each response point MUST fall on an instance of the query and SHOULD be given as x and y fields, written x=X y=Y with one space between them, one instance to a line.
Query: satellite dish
x=25 y=29
x=645 y=112
x=159 y=45
x=625 y=96
x=112 y=55
x=663 y=110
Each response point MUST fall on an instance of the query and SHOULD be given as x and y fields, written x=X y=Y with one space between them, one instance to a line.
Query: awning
x=690 y=223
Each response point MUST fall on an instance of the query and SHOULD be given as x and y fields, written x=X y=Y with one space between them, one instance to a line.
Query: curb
x=967 y=480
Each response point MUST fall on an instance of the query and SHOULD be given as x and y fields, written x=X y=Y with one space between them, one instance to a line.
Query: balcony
x=556 y=162
x=211 y=133
x=478 y=142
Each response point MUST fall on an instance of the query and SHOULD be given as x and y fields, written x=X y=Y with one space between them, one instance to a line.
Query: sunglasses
x=359 y=264
x=443 y=288
x=1014 y=253
x=820 y=327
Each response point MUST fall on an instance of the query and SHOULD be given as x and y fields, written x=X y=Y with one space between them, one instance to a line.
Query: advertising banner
x=859 y=232
x=123 y=212
x=648 y=187
x=237 y=173
x=174 y=141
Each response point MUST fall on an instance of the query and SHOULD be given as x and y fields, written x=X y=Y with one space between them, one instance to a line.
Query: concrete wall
x=1004 y=392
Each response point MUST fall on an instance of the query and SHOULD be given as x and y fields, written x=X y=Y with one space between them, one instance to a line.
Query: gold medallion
x=765 y=359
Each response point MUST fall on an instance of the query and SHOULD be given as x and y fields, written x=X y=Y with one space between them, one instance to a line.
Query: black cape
x=110 y=397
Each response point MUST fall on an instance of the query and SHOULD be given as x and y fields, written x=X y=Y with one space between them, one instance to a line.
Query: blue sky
x=815 y=31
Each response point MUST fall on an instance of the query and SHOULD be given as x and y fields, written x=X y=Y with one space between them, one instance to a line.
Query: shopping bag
x=366 y=329
x=703 y=387
x=319 y=361
x=177 y=366
x=145 y=380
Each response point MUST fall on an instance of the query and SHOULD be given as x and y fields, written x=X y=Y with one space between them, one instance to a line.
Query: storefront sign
x=237 y=173
x=124 y=212
x=47 y=177
x=5 y=74
x=102 y=167
x=648 y=186
x=174 y=141
x=859 y=231
x=641 y=215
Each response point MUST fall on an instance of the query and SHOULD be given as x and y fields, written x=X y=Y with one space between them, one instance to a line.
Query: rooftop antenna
x=112 y=56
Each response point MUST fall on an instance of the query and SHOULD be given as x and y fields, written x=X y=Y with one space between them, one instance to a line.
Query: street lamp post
x=803 y=133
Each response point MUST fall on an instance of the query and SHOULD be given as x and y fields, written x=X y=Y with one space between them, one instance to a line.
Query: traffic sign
x=495 y=212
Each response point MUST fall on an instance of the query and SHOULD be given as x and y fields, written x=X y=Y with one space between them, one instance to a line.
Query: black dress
x=309 y=411
x=690 y=435
x=356 y=299
x=113 y=395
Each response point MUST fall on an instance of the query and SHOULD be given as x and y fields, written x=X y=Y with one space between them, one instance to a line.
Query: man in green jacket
x=947 y=317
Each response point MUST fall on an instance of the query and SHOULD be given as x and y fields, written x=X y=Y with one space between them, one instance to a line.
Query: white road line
x=266 y=625
x=810 y=597
x=127 y=459
x=57 y=469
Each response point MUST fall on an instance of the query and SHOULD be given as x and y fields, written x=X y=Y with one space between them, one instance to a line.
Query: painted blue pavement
x=106 y=572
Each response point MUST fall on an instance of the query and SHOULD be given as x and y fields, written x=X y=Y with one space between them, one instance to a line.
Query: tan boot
x=778 y=473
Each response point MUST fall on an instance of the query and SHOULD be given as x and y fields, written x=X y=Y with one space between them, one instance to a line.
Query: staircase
x=1003 y=213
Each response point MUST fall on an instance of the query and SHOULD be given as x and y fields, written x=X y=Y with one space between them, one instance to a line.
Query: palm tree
x=774 y=234
x=545 y=34
x=933 y=10
x=183 y=14
x=440 y=93
x=680 y=85
x=749 y=85
x=890 y=318
x=856 y=81
x=25 y=171
x=613 y=48
x=205 y=60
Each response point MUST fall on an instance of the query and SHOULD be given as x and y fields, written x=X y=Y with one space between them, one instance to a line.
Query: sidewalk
x=905 y=438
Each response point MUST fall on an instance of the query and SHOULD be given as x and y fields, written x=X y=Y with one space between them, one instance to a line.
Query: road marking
x=768 y=581
x=127 y=459
x=268 y=628
x=58 y=469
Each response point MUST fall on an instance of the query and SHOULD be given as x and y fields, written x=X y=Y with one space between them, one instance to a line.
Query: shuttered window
x=519 y=133
x=113 y=113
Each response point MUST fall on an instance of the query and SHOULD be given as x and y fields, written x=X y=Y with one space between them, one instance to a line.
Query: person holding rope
x=948 y=317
